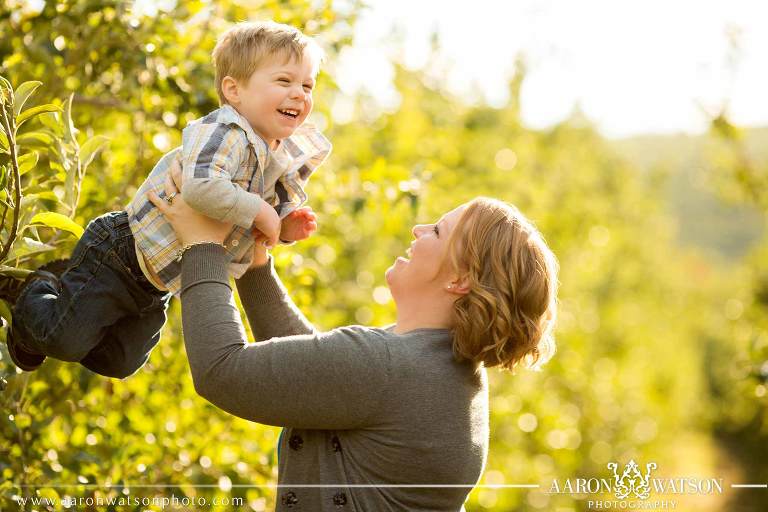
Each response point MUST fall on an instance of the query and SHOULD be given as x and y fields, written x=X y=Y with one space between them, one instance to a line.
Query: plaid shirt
x=225 y=166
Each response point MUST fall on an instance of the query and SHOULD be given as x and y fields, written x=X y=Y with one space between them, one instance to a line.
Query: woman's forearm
x=211 y=322
x=269 y=308
x=318 y=380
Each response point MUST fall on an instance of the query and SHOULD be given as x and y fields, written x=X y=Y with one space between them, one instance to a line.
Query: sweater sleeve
x=332 y=380
x=261 y=290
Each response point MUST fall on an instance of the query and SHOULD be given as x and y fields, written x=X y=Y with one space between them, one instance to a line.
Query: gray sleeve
x=269 y=308
x=333 y=380
x=211 y=157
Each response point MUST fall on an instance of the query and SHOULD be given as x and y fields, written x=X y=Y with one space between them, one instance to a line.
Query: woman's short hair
x=509 y=313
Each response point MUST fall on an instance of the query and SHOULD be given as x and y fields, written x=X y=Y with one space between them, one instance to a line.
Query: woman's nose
x=418 y=230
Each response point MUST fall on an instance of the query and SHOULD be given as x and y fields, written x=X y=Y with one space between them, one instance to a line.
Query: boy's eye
x=308 y=87
x=283 y=80
x=436 y=230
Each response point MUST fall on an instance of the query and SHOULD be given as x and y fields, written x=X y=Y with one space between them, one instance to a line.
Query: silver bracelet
x=189 y=246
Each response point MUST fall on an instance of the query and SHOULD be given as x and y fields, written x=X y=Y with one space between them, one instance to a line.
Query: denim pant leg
x=96 y=295
x=127 y=345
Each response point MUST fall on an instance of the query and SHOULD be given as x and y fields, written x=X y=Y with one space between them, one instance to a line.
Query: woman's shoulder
x=387 y=332
x=418 y=350
x=356 y=331
x=419 y=347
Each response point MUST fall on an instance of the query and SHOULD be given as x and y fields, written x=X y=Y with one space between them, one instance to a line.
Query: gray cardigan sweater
x=375 y=421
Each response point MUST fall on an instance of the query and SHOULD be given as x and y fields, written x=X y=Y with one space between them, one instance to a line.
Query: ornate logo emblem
x=631 y=481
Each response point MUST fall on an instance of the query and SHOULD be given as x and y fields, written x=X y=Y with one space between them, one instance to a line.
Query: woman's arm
x=334 y=380
x=269 y=308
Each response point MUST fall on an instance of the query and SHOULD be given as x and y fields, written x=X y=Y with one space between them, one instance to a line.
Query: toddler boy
x=245 y=163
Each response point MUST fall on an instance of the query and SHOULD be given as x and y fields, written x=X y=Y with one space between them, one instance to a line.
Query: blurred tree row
x=740 y=175
x=661 y=350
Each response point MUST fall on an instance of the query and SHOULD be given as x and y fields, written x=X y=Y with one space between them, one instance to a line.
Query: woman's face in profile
x=424 y=269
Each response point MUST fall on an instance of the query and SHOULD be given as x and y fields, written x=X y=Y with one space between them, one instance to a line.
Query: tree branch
x=16 y=182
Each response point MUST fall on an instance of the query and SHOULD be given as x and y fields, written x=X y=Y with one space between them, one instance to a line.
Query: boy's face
x=277 y=97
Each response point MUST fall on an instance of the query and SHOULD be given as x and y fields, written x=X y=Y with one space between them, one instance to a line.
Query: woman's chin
x=392 y=271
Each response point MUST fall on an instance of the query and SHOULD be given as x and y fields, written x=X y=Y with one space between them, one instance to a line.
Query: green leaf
x=26 y=246
x=22 y=93
x=91 y=148
x=57 y=221
x=5 y=312
x=35 y=139
x=69 y=127
x=5 y=84
x=19 y=273
x=27 y=162
x=4 y=145
x=48 y=195
x=51 y=121
x=32 y=112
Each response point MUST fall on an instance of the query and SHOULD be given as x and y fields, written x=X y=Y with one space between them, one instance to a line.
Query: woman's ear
x=231 y=90
x=459 y=286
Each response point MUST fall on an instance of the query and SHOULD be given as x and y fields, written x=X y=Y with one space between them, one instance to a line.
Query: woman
x=375 y=419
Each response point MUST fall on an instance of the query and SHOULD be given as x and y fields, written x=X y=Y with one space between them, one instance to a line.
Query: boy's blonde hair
x=244 y=47
x=509 y=313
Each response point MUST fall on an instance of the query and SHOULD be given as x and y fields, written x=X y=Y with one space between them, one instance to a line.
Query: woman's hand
x=267 y=223
x=190 y=226
x=260 y=253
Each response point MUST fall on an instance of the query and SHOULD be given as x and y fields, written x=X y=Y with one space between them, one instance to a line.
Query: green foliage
x=660 y=345
x=31 y=188
x=739 y=173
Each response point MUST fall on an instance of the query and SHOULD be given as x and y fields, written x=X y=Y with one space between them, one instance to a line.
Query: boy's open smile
x=277 y=98
x=293 y=114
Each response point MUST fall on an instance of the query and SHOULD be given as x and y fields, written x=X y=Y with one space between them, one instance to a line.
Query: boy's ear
x=231 y=90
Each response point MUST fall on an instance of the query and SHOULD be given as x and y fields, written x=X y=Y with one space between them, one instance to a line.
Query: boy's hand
x=267 y=222
x=299 y=225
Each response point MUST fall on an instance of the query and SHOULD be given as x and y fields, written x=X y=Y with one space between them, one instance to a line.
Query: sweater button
x=235 y=242
x=336 y=444
x=290 y=499
x=295 y=442
x=340 y=499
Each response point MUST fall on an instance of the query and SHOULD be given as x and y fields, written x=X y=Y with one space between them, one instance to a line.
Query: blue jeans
x=104 y=314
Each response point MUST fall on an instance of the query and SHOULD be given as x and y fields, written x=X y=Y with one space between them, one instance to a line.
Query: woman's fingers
x=170 y=186
x=161 y=204
x=176 y=173
x=262 y=240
